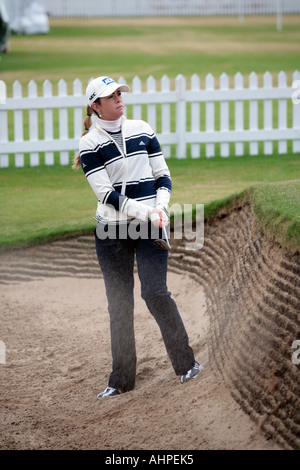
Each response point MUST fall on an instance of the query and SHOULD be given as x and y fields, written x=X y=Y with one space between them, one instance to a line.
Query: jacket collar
x=102 y=130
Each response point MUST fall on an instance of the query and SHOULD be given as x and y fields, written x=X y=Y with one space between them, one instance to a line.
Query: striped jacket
x=127 y=183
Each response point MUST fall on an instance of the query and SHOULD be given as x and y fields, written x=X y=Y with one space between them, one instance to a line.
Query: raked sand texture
x=239 y=299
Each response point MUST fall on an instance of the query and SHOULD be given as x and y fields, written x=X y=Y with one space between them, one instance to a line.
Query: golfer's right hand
x=159 y=217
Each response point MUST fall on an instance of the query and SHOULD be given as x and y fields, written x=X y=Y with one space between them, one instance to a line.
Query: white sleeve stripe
x=124 y=204
x=164 y=189
x=106 y=196
x=94 y=170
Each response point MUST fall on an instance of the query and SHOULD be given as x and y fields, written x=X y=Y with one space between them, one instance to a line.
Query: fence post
x=180 y=85
x=4 y=160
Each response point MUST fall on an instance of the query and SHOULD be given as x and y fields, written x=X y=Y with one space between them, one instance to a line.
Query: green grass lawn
x=85 y=48
x=43 y=203
x=277 y=207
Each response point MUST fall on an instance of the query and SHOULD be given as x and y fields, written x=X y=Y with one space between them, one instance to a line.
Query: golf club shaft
x=165 y=235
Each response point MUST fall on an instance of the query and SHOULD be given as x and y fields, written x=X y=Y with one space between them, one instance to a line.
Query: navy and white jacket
x=128 y=183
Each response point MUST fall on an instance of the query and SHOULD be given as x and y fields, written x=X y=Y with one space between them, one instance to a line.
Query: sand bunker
x=238 y=298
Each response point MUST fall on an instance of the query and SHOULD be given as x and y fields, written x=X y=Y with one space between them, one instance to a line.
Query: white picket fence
x=195 y=120
x=139 y=8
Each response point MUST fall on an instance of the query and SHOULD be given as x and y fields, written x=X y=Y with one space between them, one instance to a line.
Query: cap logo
x=92 y=96
x=108 y=81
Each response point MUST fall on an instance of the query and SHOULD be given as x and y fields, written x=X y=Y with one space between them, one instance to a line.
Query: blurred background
x=54 y=39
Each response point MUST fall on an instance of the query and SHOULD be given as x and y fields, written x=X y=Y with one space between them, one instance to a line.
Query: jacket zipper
x=125 y=164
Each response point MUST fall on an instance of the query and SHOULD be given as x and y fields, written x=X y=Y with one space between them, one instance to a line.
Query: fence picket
x=282 y=113
x=195 y=115
x=56 y=110
x=210 y=115
x=239 y=113
x=33 y=123
x=151 y=111
x=180 y=86
x=137 y=88
x=48 y=122
x=121 y=80
x=78 y=111
x=63 y=122
x=224 y=115
x=18 y=124
x=4 y=158
x=268 y=114
x=253 y=113
x=296 y=113
x=165 y=115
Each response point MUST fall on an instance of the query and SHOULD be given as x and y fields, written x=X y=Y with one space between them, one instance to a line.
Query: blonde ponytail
x=87 y=122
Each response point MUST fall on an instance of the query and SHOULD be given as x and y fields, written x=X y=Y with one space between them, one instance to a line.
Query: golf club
x=163 y=243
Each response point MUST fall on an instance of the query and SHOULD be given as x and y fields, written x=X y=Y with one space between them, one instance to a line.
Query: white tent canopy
x=27 y=16
x=4 y=28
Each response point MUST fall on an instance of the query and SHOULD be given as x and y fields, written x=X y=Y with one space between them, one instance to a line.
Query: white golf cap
x=101 y=87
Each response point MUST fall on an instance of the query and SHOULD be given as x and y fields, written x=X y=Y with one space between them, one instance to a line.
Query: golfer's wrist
x=164 y=211
x=154 y=216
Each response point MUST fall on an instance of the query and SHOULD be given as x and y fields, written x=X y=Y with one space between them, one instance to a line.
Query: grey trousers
x=116 y=260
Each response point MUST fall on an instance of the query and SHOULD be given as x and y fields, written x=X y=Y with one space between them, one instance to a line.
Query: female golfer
x=123 y=162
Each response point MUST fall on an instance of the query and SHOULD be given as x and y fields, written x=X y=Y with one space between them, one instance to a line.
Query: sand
x=54 y=324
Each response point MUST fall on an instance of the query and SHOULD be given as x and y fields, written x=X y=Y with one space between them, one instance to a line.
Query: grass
x=42 y=203
x=206 y=179
x=277 y=207
x=48 y=202
x=84 y=48
x=154 y=46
